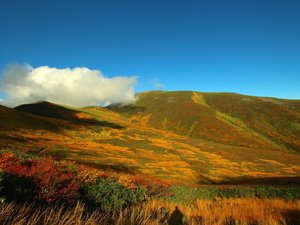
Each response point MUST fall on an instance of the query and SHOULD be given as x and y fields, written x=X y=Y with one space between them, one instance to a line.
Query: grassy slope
x=275 y=119
x=130 y=143
x=222 y=117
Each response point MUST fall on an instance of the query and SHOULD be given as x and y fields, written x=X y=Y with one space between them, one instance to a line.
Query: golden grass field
x=158 y=212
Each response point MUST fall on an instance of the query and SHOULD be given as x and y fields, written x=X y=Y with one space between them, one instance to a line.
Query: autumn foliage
x=43 y=179
x=39 y=179
x=117 y=198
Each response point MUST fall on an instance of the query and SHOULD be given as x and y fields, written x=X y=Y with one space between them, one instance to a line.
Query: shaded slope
x=220 y=117
x=18 y=128
x=13 y=119
x=50 y=110
x=45 y=109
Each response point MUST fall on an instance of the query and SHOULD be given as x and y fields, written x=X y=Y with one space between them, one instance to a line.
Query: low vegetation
x=111 y=195
x=183 y=194
x=157 y=212
x=40 y=179
x=41 y=190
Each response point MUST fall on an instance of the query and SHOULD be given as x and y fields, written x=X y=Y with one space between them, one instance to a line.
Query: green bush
x=109 y=195
x=234 y=192
x=288 y=193
x=182 y=194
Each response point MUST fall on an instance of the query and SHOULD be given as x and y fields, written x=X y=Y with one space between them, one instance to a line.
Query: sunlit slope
x=275 y=119
x=106 y=139
x=226 y=118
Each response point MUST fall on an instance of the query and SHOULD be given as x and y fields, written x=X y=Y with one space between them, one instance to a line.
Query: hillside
x=185 y=137
x=50 y=110
x=228 y=118
x=14 y=120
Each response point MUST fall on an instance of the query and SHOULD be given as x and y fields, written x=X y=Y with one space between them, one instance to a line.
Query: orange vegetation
x=224 y=212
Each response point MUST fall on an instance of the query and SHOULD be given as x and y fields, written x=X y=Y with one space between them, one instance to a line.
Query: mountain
x=188 y=137
x=227 y=118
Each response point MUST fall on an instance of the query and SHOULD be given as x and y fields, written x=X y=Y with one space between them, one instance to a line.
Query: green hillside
x=227 y=118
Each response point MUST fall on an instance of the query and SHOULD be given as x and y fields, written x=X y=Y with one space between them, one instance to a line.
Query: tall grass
x=251 y=211
x=202 y=212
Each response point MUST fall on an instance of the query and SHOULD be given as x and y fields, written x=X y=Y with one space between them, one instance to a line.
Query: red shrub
x=55 y=181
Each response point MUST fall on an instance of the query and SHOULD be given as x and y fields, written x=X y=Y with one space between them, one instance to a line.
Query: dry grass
x=217 y=212
x=29 y=214
x=237 y=211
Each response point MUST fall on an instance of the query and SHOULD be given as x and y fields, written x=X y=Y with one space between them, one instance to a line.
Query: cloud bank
x=75 y=87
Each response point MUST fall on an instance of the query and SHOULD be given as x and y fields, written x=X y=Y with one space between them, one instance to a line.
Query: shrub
x=18 y=154
x=18 y=188
x=235 y=192
x=109 y=195
x=40 y=179
x=155 y=187
x=1 y=178
x=288 y=193
x=183 y=194
x=208 y=193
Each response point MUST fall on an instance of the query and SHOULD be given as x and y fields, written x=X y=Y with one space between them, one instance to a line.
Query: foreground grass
x=252 y=211
x=206 y=212
x=40 y=190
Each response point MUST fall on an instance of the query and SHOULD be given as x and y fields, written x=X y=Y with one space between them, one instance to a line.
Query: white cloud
x=76 y=87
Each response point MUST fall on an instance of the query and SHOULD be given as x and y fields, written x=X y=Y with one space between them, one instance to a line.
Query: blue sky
x=245 y=46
